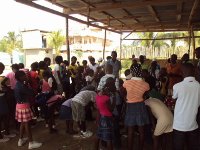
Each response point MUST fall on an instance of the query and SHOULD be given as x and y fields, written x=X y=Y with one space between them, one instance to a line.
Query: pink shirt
x=45 y=86
x=12 y=80
x=101 y=102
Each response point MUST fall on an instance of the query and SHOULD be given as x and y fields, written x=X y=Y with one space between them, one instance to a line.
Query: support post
x=104 y=45
x=189 y=41
x=120 y=58
x=67 y=39
x=193 y=42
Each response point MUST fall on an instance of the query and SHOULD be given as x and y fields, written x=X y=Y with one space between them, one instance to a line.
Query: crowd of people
x=155 y=102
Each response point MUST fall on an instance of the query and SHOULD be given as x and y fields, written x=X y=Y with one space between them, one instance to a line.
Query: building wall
x=33 y=55
x=32 y=39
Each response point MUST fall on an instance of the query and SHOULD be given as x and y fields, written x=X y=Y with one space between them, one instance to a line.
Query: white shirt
x=56 y=68
x=84 y=97
x=187 y=94
x=94 y=68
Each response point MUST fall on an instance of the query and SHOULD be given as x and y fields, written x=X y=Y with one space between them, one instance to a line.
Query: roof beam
x=153 y=13
x=29 y=3
x=112 y=19
x=184 y=37
x=179 y=10
x=105 y=13
x=119 y=5
x=194 y=7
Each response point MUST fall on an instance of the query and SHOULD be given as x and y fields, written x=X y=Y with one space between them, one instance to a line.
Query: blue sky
x=17 y=17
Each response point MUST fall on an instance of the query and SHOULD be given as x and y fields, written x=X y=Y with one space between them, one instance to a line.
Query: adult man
x=185 y=125
x=93 y=65
x=143 y=62
x=115 y=63
x=174 y=72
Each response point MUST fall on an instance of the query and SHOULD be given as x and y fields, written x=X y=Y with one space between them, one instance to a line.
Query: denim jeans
x=190 y=138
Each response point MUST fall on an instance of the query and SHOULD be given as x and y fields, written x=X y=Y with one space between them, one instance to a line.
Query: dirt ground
x=61 y=140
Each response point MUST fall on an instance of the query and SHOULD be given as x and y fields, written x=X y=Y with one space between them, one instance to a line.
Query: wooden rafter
x=153 y=13
x=105 y=13
x=119 y=5
x=179 y=10
x=129 y=14
x=194 y=7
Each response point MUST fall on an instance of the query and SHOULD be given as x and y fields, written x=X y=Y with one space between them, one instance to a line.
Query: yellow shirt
x=74 y=68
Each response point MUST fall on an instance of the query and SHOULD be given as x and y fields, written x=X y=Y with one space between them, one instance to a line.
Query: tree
x=11 y=42
x=56 y=41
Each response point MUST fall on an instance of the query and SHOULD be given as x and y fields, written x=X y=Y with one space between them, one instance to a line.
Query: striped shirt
x=103 y=82
x=135 y=88
x=84 y=97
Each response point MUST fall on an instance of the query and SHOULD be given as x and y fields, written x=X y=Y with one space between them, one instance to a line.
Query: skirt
x=136 y=114
x=105 y=128
x=23 y=113
x=65 y=113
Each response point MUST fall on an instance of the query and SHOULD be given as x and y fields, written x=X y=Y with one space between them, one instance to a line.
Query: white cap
x=100 y=59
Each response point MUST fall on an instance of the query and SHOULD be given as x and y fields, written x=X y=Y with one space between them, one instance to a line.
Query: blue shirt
x=22 y=93
x=116 y=66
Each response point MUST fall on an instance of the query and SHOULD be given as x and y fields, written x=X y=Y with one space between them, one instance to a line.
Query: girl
x=136 y=113
x=105 y=108
x=49 y=87
x=23 y=111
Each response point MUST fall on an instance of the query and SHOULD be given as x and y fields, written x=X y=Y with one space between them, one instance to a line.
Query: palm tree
x=56 y=41
x=12 y=42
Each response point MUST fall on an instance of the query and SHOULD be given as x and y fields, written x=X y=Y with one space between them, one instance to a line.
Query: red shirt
x=34 y=80
x=102 y=105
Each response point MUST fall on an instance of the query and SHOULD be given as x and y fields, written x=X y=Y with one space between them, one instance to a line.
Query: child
x=48 y=87
x=23 y=111
x=79 y=79
x=162 y=121
x=66 y=114
x=163 y=81
x=42 y=67
x=105 y=108
x=58 y=75
x=186 y=94
x=90 y=78
x=128 y=74
x=66 y=78
x=34 y=83
x=98 y=75
x=73 y=70
x=4 y=112
x=79 y=102
x=10 y=77
x=136 y=113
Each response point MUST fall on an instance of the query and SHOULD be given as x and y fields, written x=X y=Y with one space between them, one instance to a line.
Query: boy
x=4 y=112
x=187 y=95
x=79 y=102
x=57 y=74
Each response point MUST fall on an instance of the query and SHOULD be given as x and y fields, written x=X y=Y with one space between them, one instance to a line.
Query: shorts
x=78 y=111
x=65 y=113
